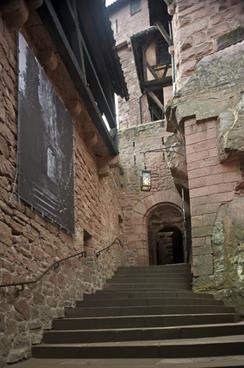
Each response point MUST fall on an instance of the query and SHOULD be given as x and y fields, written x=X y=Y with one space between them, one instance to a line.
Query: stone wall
x=211 y=184
x=198 y=27
x=137 y=204
x=129 y=24
x=209 y=111
x=29 y=244
x=129 y=112
x=217 y=214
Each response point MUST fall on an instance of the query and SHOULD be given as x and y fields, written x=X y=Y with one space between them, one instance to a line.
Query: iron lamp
x=146 y=180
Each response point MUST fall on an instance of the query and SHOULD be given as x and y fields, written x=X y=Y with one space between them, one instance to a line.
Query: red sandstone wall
x=129 y=112
x=127 y=24
x=210 y=184
x=29 y=243
x=197 y=25
x=136 y=204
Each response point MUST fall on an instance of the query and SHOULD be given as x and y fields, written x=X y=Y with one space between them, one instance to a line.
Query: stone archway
x=137 y=236
x=165 y=234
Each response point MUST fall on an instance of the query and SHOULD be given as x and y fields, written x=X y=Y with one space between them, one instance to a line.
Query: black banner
x=45 y=144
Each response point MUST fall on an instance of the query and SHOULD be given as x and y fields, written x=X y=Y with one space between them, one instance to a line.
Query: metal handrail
x=116 y=240
x=53 y=266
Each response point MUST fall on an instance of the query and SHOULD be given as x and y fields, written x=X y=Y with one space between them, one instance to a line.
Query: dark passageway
x=165 y=235
x=169 y=246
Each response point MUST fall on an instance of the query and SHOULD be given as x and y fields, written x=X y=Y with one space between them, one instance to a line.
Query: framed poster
x=45 y=144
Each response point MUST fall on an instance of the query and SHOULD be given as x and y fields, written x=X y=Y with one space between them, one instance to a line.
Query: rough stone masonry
x=29 y=244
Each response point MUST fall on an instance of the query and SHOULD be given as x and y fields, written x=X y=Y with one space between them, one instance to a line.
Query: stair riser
x=153 y=286
x=140 y=322
x=166 y=274
x=156 y=280
x=146 y=302
x=139 y=335
x=179 y=351
x=152 y=310
x=153 y=268
x=146 y=271
x=131 y=294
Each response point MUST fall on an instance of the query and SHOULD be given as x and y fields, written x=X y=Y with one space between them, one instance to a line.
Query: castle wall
x=29 y=243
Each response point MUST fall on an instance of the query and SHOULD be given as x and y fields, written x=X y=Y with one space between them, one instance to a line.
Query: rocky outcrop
x=231 y=133
x=176 y=158
x=227 y=281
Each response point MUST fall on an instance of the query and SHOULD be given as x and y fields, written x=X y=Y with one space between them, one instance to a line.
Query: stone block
x=5 y=234
x=203 y=265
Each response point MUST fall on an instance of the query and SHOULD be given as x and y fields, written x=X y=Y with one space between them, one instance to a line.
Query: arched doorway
x=165 y=235
x=169 y=246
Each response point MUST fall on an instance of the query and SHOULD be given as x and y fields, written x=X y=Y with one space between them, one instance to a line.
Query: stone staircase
x=145 y=312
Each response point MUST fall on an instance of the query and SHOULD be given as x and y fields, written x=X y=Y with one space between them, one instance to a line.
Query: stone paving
x=216 y=362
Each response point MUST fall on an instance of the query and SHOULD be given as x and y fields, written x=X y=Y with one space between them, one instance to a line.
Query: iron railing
x=53 y=266
x=116 y=241
x=56 y=264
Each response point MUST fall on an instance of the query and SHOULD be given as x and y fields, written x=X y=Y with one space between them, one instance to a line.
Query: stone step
x=151 y=279
x=148 y=273
x=153 y=268
x=148 y=286
x=233 y=361
x=174 y=348
x=132 y=294
x=90 y=302
x=155 y=272
x=130 y=334
x=146 y=310
x=93 y=323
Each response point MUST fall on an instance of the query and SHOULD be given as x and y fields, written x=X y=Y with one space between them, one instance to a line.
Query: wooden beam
x=50 y=20
x=156 y=100
x=166 y=70
x=157 y=83
x=164 y=33
x=152 y=71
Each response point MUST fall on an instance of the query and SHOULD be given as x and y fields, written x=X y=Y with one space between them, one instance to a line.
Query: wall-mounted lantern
x=146 y=180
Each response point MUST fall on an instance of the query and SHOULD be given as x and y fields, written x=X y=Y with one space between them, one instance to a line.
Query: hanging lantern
x=146 y=180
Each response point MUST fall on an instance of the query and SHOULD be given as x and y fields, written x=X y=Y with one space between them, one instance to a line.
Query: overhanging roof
x=138 y=42
x=116 y=5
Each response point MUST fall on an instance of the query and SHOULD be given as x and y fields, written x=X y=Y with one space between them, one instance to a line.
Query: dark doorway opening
x=166 y=240
x=169 y=246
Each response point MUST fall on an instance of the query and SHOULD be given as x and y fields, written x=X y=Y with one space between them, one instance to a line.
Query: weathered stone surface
x=213 y=72
x=230 y=38
x=228 y=249
x=176 y=158
x=207 y=25
x=23 y=307
x=203 y=265
x=29 y=244
x=231 y=132
x=5 y=234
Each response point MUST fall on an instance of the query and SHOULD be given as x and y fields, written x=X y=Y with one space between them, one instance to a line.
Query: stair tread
x=150 y=306
x=233 y=324
x=151 y=316
x=195 y=341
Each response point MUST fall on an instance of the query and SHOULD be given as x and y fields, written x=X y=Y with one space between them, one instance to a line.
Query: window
x=116 y=26
x=162 y=54
x=135 y=6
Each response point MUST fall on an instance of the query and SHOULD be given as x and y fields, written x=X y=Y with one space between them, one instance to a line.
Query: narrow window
x=116 y=26
x=135 y=6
